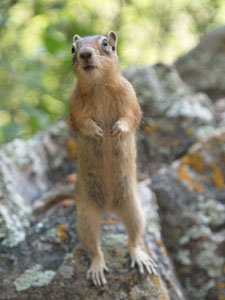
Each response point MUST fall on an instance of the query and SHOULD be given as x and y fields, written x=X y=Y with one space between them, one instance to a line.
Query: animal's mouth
x=89 y=67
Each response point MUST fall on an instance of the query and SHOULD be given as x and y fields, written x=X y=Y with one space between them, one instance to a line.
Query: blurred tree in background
x=36 y=37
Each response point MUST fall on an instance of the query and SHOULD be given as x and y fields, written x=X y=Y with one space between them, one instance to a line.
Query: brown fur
x=106 y=165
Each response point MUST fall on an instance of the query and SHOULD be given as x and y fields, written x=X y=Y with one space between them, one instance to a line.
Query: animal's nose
x=85 y=53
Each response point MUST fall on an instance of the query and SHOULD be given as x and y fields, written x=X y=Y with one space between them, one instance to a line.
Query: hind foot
x=96 y=271
x=143 y=260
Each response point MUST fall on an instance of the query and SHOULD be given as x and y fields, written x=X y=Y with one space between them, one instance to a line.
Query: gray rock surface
x=173 y=116
x=41 y=256
x=191 y=196
x=220 y=112
x=27 y=170
x=203 y=68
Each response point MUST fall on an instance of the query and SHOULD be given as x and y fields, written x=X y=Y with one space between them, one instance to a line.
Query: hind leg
x=132 y=216
x=88 y=226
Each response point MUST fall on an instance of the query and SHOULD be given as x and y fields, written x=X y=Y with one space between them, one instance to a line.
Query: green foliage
x=36 y=37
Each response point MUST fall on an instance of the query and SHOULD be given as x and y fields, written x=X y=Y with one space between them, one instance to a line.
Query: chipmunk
x=105 y=113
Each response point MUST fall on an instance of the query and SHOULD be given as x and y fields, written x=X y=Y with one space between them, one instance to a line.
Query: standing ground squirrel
x=105 y=113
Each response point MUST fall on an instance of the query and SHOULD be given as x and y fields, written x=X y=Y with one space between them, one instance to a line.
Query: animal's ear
x=112 y=39
x=76 y=37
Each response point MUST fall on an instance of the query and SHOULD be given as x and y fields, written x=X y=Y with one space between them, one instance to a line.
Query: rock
x=191 y=194
x=203 y=67
x=173 y=116
x=27 y=170
x=220 y=112
x=41 y=256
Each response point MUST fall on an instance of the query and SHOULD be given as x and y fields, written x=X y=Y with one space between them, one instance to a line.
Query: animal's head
x=94 y=56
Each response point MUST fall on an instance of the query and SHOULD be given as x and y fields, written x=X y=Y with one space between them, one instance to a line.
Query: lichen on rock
x=24 y=174
x=190 y=193
x=33 y=277
x=173 y=116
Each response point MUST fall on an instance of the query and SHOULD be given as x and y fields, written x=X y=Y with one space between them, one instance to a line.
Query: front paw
x=97 y=131
x=120 y=128
x=92 y=129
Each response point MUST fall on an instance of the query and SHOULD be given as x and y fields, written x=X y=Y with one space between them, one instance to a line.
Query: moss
x=33 y=277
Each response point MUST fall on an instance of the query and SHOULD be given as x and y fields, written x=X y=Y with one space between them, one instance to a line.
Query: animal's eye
x=104 y=43
x=73 y=49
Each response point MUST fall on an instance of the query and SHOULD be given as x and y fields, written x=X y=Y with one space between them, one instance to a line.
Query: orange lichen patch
x=158 y=285
x=76 y=253
x=131 y=283
x=75 y=260
x=156 y=281
x=162 y=246
x=130 y=298
x=111 y=222
x=62 y=227
x=218 y=178
x=118 y=254
x=71 y=148
x=152 y=128
x=221 y=287
x=67 y=202
x=62 y=231
x=72 y=178
x=194 y=161
x=184 y=176
x=189 y=131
